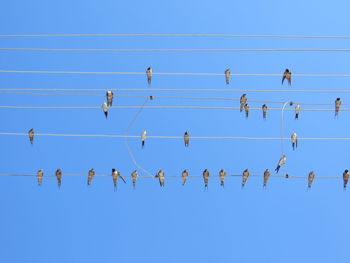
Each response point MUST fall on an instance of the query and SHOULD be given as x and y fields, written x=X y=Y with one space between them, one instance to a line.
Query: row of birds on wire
x=161 y=177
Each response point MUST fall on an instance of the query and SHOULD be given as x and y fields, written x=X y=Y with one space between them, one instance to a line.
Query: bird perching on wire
x=143 y=138
x=288 y=76
x=266 y=177
x=109 y=96
x=337 y=106
x=115 y=176
x=297 y=111
x=345 y=178
x=242 y=101
x=149 y=72
x=58 y=175
x=227 y=76
x=91 y=175
x=105 y=109
x=222 y=175
x=245 y=176
x=187 y=139
x=281 y=162
x=310 y=179
x=134 y=176
x=294 y=139
x=31 y=135
x=40 y=175
x=264 y=110
x=206 y=178
x=184 y=176
x=160 y=175
x=246 y=109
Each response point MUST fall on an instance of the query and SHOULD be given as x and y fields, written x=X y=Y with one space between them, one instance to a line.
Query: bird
x=227 y=75
x=143 y=138
x=264 y=109
x=40 y=175
x=59 y=177
x=206 y=178
x=134 y=176
x=246 y=108
x=266 y=177
x=149 y=75
x=115 y=175
x=287 y=75
x=31 y=135
x=294 y=139
x=105 y=109
x=245 y=177
x=345 y=178
x=90 y=176
x=337 y=106
x=222 y=175
x=186 y=139
x=281 y=162
x=243 y=101
x=310 y=179
x=160 y=175
x=184 y=176
x=297 y=111
x=109 y=96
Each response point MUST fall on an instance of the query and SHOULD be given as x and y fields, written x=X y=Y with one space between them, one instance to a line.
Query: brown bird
x=109 y=95
x=134 y=176
x=266 y=177
x=246 y=108
x=227 y=75
x=310 y=179
x=40 y=175
x=222 y=175
x=245 y=177
x=345 y=178
x=149 y=75
x=90 y=176
x=186 y=139
x=242 y=101
x=31 y=135
x=287 y=75
x=184 y=176
x=115 y=175
x=206 y=178
x=160 y=175
x=337 y=106
x=59 y=177
x=264 y=109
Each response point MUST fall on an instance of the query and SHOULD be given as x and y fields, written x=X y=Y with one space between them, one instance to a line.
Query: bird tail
x=277 y=168
x=293 y=144
x=106 y=114
x=296 y=116
x=143 y=144
x=133 y=185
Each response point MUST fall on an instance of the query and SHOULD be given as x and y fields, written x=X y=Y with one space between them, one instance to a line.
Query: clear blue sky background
x=283 y=223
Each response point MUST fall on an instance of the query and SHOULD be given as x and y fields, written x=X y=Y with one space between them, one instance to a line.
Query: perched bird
x=264 y=109
x=297 y=111
x=40 y=175
x=243 y=101
x=337 y=106
x=160 y=175
x=115 y=175
x=109 y=96
x=345 y=178
x=311 y=178
x=294 y=139
x=31 y=135
x=90 y=176
x=245 y=177
x=186 y=139
x=184 y=176
x=206 y=178
x=287 y=176
x=149 y=75
x=227 y=75
x=287 y=75
x=105 y=109
x=134 y=176
x=246 y=108
x=151 y=97
x=222 y=175
x=143 y=138
x=266 y=177
x=281 y=162
x=59 y=177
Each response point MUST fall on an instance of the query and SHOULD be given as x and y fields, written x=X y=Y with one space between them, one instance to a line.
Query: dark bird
x=143 y=138
x=31 y=135
x=345 y=178
x=90 y=176
x=264 y=109
x=134 y=176
x=115 y=175
x=266 y=177
x=281 y=162
x=109 y=96
x=160 y=175
x=245 y=177
x=186 y=139
x=297 y=111
x=287 y=75
x=40 y=175
x=246 y=108
x=310 y=179
x=149 y=75
x=337 y=106
x=222 y=175
x=59 y=177
x=184 y=176
x=206 y=178
x=105 y=109
x=243 y=101
x=294 y=139
x=227 y=75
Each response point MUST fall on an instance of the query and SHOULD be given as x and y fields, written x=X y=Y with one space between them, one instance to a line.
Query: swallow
x=160 y=175
x=264 y=109
x=149 y=75
x=59 y=177
x=40 y=175
x=109 y=96
x=266 y=177
x=143 y=138
x=294 y=139
x=222 y=175
x=186 y=139
x=246 y=108
x=90 y=176
x=115 y=175
x=105 y=109
x=184 y=176
x=134 y=176
x=206 y=178
x=227 y=75
x=337 y=106
x=281 y=162
x=345 y=178
x=151 y=97
x=297 y=111
x=245 y=177
x=31 y=135
x=287 y=75
x=310 y=179
x=243 y=101
x=286 y=176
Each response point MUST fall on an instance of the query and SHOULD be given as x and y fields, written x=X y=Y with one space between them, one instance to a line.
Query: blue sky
x=282 y=223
